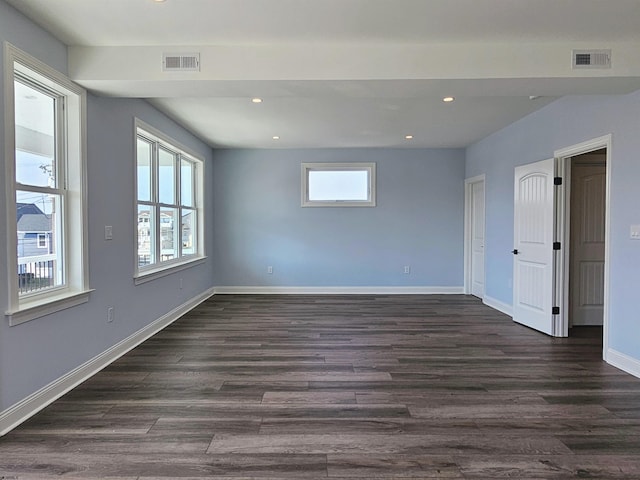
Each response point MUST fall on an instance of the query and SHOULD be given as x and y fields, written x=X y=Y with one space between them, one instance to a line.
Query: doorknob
x=515 y=251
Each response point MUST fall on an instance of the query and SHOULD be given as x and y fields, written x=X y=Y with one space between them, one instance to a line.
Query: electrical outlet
x=110 y=314
x=407 y=269
x=108 y=232
x=270 y=270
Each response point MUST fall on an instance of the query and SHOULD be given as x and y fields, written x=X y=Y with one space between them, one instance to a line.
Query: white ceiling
x=346 y=73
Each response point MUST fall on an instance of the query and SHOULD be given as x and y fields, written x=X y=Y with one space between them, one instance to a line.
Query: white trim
x=163 y=137
x=468 y=198
x=10 y=55
x=46 y=306
x=258 y=290
x=561 y=232
x=498 y=305
x=167 y=270
x=563 y=155
x=73 y=189
x=21 y=411
x=622 y=361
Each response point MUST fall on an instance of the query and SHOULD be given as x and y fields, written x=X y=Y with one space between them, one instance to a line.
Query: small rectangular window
x=338 y=184
x=42 y=240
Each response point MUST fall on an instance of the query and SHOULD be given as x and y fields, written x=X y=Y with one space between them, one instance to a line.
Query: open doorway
x=587 y=205
x=583 y=225
x=474 y=236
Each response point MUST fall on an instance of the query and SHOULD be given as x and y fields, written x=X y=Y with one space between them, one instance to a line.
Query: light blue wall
x=38 y=352
x=566 y=122
x=19 y=31
x=418 y=221
x=255 y=218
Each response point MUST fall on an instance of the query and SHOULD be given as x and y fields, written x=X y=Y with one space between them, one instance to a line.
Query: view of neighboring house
x=35 y=246
x=34 y=231
x=168 y=245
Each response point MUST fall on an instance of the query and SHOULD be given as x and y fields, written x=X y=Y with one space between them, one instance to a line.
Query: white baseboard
x=23 y=410
x=337 y=290
x=623 y=362
x=498 y=305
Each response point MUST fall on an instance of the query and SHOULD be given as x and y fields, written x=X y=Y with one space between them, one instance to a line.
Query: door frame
x=563 y=214
x=468 y=229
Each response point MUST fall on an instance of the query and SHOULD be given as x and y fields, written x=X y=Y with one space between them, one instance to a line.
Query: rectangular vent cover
x=592 y=59
x=181 y=62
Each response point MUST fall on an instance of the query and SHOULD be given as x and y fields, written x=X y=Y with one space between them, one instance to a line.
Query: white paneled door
x=533 y=255
x=588 y=193
x=477 y=239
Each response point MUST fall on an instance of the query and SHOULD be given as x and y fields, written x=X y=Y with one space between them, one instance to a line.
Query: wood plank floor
x=341 y=387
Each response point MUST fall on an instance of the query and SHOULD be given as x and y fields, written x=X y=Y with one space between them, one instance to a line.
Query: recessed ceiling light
x=256 y=100
x=408 y=137
x=276 y=137
x=534 y=97
x=159 y=1
x=448 y=99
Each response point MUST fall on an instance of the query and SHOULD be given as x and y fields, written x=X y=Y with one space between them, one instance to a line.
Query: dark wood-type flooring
x=341 y=387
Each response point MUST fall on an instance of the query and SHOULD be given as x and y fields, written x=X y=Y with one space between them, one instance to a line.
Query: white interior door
x=586 y=273
x=477 y=239
x=533 y=267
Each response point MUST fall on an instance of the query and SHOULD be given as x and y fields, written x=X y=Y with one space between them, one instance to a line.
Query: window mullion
x=61 y=184
x=155 y=175
x=177 y=235
x=37 y=189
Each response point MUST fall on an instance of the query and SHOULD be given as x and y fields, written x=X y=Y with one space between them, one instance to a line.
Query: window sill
x=338 y=203
x=154 y=274
x=40 y=307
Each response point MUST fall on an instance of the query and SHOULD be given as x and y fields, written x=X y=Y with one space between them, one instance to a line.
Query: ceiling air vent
x=592 y=59
x=181 y=62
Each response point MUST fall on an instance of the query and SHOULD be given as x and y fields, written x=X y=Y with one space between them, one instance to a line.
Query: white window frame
x=74 y=289
x=369 y=167
x=159 y=269
x=45 y=240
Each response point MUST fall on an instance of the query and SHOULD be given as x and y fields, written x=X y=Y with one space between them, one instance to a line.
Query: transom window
x=168 y=186
x=338 y=184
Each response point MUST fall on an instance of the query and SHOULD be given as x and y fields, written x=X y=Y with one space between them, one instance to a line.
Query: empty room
x=251 y=239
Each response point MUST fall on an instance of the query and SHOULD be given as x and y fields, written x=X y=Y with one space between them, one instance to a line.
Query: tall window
x=45 y=171
x=169 y=186
x=40 y=190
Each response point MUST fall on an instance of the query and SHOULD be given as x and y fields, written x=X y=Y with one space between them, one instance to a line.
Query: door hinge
x=556 y=245
x=555 y=311
x=557 y=180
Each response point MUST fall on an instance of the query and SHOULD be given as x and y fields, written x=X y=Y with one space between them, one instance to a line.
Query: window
x=45 y=152
x=168 y=192
x=338 y=184
x=42 y=240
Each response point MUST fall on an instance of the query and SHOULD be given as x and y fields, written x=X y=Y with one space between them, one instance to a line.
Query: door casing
x=563 y=230
x=468 y=230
